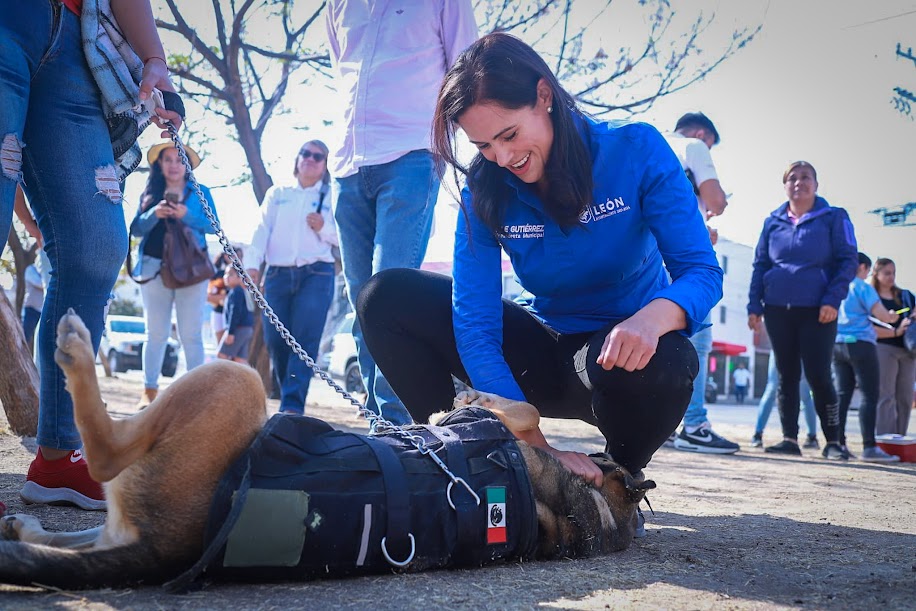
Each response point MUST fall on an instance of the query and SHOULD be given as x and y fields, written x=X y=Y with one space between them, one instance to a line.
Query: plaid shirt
x=117 y=71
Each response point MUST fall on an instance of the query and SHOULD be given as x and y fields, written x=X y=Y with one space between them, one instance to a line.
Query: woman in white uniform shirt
x=294 y=238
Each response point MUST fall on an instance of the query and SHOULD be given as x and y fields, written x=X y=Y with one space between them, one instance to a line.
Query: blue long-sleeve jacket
x=643 y=214
x=805 y=265
x=196 y=219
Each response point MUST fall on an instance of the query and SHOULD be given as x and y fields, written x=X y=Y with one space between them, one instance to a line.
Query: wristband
x=152 y=57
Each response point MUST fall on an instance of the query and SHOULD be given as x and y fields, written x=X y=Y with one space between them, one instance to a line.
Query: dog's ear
x=636 y=487
x=636 y=490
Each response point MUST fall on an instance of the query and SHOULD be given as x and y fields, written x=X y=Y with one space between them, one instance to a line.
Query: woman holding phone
x=168 y=196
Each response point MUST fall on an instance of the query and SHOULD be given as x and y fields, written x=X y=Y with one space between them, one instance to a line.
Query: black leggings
x=406 y=318
x=797 y=337
x=858 y=360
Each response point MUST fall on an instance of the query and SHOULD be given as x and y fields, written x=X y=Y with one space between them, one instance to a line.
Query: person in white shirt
x=390 y=58
x=694 y=136
x=294 y=238
x=742 y=379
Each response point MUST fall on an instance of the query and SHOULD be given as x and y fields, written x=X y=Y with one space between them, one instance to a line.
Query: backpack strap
x=397 y=539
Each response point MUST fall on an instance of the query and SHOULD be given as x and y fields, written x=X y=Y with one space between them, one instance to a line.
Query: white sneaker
x=876 y=454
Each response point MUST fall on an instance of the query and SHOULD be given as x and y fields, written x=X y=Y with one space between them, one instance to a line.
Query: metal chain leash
x=377 y=423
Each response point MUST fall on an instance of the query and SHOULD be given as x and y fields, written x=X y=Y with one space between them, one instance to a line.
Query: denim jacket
x=145 y=220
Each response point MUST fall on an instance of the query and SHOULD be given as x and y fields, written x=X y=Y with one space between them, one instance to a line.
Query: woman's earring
x=549 y=109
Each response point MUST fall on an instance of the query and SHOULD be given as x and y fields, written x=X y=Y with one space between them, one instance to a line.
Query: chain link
x=377 y=423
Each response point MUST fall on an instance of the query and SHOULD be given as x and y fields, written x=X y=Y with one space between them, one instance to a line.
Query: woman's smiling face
x=518 y=140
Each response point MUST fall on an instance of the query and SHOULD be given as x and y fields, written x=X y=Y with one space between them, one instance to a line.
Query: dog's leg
x=518 y=416
x=27 y=529
x=108 y=445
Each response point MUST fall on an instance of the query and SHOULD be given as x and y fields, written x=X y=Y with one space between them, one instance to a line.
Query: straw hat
x=153 y=154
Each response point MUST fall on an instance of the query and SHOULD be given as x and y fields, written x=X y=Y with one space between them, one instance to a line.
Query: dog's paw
x=467 y=397
x=74 y=343
x=16 y=527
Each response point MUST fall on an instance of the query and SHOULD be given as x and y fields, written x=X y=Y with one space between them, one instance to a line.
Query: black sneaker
x=811 y=443
x=834 y=451
x=704 y=440
x=669 y=443
x=757 y=440
x=784 y=447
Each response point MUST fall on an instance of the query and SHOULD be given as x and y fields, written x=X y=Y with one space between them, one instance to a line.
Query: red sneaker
x=64 y=481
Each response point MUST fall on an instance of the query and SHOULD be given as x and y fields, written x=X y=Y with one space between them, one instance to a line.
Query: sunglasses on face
x=306 y=154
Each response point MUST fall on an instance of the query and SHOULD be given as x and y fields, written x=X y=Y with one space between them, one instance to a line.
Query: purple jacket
x=805 y=265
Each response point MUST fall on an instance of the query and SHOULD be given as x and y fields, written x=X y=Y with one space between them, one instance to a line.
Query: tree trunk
x=250 y=142
x=22 y=258
x=258 y=357
x=18 y=374
x=105 y=364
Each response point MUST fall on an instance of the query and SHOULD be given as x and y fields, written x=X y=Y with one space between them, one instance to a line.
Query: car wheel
x=353 y=381
x=114 y=362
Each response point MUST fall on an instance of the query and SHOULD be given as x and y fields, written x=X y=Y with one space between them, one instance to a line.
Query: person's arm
x=257 y=251
x=699 y=160
x=194 y=216
x=328 y=231
x=145 y=219
x=477 y=308
x=333 y=44
x=458 y=27
x=762 y=264
x=845 y=259
x=136 y=21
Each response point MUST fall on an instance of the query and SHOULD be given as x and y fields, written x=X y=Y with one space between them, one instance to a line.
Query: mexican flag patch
x=496 y=515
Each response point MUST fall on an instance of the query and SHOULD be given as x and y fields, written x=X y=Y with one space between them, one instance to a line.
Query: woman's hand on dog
x=576 y=462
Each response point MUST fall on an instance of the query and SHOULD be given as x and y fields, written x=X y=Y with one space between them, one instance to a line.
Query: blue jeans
x=30 y=317
x=191 y=308
x=55 y=144
x=384 y=216
x=696 y=410
x=300 y=297
x=768 y=400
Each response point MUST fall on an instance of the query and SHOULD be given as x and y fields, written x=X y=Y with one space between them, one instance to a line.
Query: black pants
x=406 y=317
x=797 y=337
x=854 y=361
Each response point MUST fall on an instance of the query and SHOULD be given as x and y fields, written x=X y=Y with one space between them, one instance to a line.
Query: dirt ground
x=748 y=531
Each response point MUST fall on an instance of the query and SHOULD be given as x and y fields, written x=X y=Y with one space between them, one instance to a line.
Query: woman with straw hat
x=168 y=196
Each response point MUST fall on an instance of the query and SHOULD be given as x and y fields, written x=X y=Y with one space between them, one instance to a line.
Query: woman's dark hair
x=798 y=164
x=155 y=186
x=326 y=178
x=499 y=68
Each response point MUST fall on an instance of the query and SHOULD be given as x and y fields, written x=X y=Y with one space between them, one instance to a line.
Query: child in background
x=239 y=320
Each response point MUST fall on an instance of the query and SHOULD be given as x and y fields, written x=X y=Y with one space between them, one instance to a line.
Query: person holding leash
x=66 y=80
x=590 y=213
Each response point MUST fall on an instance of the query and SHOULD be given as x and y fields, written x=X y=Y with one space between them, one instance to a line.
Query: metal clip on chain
x=377 y=423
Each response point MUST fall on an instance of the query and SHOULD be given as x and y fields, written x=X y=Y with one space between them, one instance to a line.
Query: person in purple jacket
x=804 y=262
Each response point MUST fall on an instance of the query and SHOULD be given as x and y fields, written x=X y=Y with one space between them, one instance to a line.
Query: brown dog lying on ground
x=161 y=468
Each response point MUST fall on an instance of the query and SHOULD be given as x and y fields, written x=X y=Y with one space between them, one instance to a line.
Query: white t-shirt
x=694 y=155
x=742 y=377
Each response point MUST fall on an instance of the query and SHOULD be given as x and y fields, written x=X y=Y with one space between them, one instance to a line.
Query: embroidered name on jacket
x=517 y=232
x=602 y=211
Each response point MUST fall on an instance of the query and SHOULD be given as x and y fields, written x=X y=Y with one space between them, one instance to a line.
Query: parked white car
x=341 y=358
x=122 y=344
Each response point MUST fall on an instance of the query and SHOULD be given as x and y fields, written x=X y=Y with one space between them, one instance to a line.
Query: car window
x=128 y=326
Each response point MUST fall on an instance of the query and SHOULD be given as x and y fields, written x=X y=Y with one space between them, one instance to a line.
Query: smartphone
x=171 y=199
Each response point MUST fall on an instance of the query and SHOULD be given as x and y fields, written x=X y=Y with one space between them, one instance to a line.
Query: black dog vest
x=306 y=500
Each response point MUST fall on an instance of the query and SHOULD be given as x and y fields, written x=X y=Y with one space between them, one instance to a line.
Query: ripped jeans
x=55 y=145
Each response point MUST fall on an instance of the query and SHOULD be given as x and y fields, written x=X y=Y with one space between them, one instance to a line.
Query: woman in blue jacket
x=169 y=175
x=805 y=259
x=591 y=214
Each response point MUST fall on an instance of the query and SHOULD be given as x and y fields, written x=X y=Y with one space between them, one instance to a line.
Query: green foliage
x=123 y=307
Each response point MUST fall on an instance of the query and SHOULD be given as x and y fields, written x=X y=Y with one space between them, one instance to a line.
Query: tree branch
x=182 y=27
